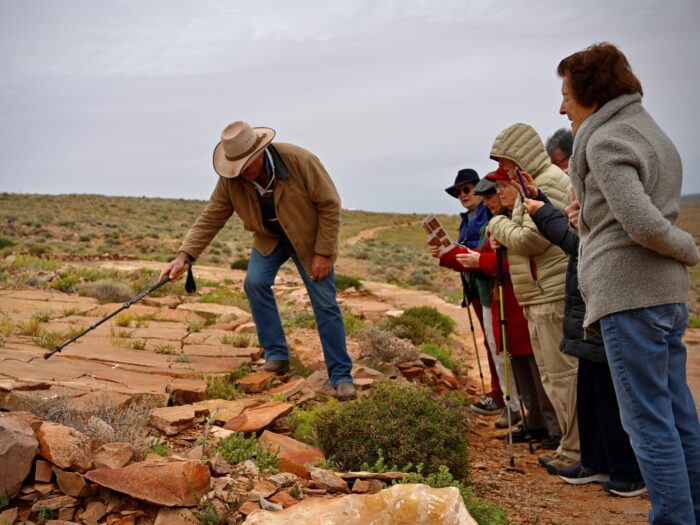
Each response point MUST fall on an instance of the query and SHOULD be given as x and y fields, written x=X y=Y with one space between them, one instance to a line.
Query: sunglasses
x=463 y=189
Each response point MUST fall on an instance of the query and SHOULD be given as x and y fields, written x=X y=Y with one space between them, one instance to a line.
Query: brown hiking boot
x=279 y=367
x=557 y=463
x=345 y=392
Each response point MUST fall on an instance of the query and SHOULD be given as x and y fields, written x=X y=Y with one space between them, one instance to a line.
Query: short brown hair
x=599 y=74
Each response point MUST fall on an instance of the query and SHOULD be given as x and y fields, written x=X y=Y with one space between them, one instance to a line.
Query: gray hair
x=562 y=139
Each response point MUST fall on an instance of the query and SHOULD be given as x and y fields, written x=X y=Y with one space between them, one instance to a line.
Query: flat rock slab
x=173 y=420
x=213 y=310
x=186 y=391
x=18 y=448
x=172 y=484
x=256 y=382
x=223 y=410
x=259 y=417
x=295 y=457
x=414 y=504
x=220 y=350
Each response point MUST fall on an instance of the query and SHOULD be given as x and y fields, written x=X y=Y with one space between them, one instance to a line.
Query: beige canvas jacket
x=537 y=267
x=306 y=200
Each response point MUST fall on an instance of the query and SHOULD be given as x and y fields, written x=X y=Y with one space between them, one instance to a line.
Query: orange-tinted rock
x=257 y=418
x=173 y=420
x=54 y=503
x=17 y=452
x=223 y=410
x=288 y=389
x=284 y=499
x=172 y=484
x=71 y=483
x=295 y=456
x=42 y=471
x=113 y=455
x=185 y=391
x=178 y=516
x=65 y=447
x=328 y=480
x=255 y=382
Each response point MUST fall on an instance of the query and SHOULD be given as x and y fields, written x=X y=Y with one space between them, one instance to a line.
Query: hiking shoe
x=279 y=367
x=550 y=442
x=557 y=463
x=580 y=475
x=502 y=421
x=486 y=407
x=532 y=434
x=626 y=489
x=345 y=392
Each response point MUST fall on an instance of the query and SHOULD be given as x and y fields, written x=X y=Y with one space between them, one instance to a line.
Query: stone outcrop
x=113 y=455
x=65 y=447
x=173 y=420
x=295 y=456
x=259 y=417
x=414 y=504
x=18 y=448
x=171 y=484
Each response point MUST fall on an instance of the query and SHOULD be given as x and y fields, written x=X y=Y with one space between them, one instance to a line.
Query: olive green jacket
x=537 y=267
x=306 y=200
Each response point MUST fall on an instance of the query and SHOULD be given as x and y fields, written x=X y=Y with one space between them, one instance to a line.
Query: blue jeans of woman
x=259 y=279
x=647 y=360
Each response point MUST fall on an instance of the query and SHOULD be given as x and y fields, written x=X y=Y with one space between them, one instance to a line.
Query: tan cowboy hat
x=239 y=145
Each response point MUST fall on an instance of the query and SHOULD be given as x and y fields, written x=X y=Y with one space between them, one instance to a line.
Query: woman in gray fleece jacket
x=633 y=269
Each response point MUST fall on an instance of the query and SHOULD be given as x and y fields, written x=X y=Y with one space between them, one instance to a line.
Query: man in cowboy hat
x=284 y=196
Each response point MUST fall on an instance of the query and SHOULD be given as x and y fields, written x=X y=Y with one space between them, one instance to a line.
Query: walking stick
x=476 y=348
x=190 y=287
x=504 y=348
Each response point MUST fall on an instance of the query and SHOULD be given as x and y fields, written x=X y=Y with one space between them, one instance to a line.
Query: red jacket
x=518 y=335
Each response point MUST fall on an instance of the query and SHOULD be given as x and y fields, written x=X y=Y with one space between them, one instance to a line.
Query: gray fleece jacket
x=627 y=175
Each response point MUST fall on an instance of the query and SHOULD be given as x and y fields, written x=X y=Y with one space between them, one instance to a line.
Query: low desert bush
x=343 y=282
x=236 y=448
x=240 y=264
x=240 y=340
x=422 y=324
x=442 y=354
x=107 y=291
x=380 y=346
x=302 y=422
x=226 y=297
x=352 y=323
x=404 y=421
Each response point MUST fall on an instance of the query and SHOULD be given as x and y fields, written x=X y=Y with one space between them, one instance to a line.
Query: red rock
x=288 y=389
x=113 y=455
x=55 y=503
x=178 y=516
x=248 y=507
x=328 y=480
x=9 y=515
x=65 y=447
x=71 y=483
x=42 y=471
x=255 y=382
x=412 y=372
x=222 y=410
x=294 y=455
x=173 y=420
x=172 y=484
x=284 y=499
x=360 y=486
x=186 y=391
x=17 y=452
x=94 y=512
x=257 y=418
x=262 y=489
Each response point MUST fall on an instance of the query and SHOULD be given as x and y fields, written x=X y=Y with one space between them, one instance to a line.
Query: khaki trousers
x=557 y=370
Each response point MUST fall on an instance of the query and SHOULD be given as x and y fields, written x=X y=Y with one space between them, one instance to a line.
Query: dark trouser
x=605 y=446
x=540 y=412
x=496 y=392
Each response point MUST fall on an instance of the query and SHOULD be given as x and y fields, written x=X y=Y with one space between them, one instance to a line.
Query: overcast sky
x=129 y=97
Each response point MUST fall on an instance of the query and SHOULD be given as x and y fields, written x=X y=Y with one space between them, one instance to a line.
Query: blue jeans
x=647 y=361
x=258 y=287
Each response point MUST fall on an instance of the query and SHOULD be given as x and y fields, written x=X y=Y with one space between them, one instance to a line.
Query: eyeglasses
x=463 y=189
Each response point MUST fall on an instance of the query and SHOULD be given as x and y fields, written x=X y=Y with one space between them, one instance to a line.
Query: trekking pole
x=476 y=348
x=126 y=305
x=504 y=348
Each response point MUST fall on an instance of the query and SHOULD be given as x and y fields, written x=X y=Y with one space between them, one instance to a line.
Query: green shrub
x=5 y=242
x=303 y=319
x=442 y=354
x=693 y=322
x=302 y=422
x=67 y=284
x=236 y=449
x=483 y=511
x=404 y=422
x=107 y=291
x=221 y=387
x=159 y=448
x=240 y=264
x=164 y=348
x=352 y=323
x=343 y=282
x=422 y=324
x=30 y=262
x=227 y=297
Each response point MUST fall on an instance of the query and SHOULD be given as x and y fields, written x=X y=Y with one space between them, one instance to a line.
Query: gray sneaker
x=502 y=421
x=486 y=407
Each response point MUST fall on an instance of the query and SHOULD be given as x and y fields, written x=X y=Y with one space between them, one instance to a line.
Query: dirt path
x=366 y=235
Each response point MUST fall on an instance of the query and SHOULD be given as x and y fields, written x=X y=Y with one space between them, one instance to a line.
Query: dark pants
x=496 y=392
x=540 y=412
x=605 y=446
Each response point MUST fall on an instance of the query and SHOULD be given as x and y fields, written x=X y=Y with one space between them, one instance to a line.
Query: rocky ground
x=76 y=479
